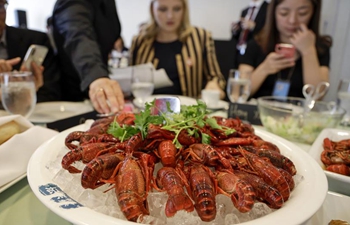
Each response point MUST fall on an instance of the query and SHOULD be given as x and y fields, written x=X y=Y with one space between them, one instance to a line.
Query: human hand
x=106 y=95
x=37 y=71
x=303 y=39
x=275 y=62
x=248 y=24
x=235 y=27
x=119 y=45
x=6 y=65
x=213 y=85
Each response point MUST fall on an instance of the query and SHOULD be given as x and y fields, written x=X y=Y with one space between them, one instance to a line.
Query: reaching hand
x=37 y=71
x=303 y=39
x=6 y=65
x=106 y=95
x=275 y=62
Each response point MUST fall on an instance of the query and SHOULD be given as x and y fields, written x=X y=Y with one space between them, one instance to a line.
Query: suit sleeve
x=211 y=65
x=74 y=20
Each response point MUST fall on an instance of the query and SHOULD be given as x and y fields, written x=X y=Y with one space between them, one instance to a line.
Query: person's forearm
x=312 y=73
x=258 y=77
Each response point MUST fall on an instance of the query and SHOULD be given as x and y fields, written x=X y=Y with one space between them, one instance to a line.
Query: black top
x=166 y=53
x=254 y=56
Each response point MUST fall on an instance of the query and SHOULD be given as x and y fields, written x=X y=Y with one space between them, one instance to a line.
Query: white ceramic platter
x=304 y=201
x=337 y=182
x=47 y=112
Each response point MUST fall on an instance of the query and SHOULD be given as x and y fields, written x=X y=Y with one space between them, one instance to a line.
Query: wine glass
x=344 y=100
x=238 y=86
x=18 y=92
x=142 y=84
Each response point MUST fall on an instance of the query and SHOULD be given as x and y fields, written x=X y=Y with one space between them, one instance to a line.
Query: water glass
x=142 y=84
x=18 y=92
x=238 y=86
x=344 y=100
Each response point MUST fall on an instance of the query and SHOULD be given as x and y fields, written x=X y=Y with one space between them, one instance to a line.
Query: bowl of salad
x=293 y=119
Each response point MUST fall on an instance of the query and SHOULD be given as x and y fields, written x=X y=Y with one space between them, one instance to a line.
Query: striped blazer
x=196 y=64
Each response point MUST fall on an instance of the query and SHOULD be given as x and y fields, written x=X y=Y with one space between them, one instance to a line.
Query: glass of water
x=18 y=92
x=238 y=86
x=344 y=100
x=142 y=84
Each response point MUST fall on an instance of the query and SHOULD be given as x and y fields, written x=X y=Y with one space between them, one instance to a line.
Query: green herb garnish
x=191 y=118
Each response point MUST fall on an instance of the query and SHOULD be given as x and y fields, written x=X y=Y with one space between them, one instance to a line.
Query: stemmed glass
x=238 y=86
x=18 y=92
x=142 y=84
x=344 y=100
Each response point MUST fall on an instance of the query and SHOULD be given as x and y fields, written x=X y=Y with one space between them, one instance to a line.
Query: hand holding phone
x=36 y=53
x=287 y=50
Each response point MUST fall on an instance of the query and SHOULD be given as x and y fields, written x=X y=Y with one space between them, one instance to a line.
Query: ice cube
x=231 y=219
x=260 y=209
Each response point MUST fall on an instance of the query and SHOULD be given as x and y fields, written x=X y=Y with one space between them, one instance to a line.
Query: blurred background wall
x=215 y=16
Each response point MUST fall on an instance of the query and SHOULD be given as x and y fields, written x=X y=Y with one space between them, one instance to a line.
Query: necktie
x=244 y=33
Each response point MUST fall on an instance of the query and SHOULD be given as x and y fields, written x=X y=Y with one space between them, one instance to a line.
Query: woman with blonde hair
x=187 y=53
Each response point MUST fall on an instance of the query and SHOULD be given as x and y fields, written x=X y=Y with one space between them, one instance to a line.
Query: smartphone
x=287 y=50
x=36 y=53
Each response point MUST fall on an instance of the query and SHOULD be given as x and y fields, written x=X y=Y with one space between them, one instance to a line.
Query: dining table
x=19 y=205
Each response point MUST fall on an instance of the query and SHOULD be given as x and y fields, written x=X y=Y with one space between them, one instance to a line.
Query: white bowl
x=307 y=197
x=336 y=182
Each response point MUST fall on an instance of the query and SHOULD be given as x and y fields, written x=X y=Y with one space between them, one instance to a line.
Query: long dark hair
x=268 y=37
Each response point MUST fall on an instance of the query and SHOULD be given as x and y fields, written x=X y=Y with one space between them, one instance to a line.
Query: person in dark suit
x=85 y=32
x=14 y=45
x=251 y=22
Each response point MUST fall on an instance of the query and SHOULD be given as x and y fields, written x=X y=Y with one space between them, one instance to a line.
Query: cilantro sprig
x=191 y=118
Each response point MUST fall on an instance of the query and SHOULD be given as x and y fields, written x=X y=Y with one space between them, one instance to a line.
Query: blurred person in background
x=187 y=53
x=85 y=32
x=251 y=22
x=294 y=22
x=14 y=43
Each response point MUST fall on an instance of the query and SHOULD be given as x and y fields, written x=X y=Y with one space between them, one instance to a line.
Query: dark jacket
x=18 y=41
x=259 y=21
x=84 y=33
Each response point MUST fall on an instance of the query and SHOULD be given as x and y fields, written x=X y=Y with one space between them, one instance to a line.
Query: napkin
x=16 y=152
x=123 y=76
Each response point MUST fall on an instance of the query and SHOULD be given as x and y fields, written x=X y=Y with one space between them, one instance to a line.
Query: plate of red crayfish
x=214 y=171
x=331 y=150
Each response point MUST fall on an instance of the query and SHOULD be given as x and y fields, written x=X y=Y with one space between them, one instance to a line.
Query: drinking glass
x=344 y=100
x=18 y=93
x=142 y=84
x=238 y=86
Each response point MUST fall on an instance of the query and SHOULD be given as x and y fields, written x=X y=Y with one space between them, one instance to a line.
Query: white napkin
x=123 y=76
x=16 y=152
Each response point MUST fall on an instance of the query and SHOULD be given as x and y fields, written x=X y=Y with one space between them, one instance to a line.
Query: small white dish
x=336 y=182
x=47 y=112
x=335 y=207
x=184 y=100
x=44 y=165
x=221 y=105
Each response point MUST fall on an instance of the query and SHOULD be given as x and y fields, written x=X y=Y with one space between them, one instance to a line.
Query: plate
x=47 y=112
x=183 y=99
x=335 y=207
x=336 y=182
x=221 y=105
x=307 y=197
x=9 y=184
